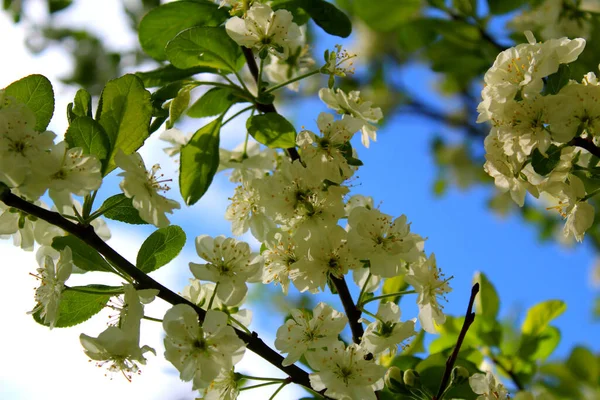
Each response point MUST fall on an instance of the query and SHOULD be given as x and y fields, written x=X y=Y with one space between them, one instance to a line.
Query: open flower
x=488 y=387
x=142 y=186
x=387 y=331
x=200 y=353
x=55 y=269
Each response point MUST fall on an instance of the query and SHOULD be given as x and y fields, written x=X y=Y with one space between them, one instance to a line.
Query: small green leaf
x=162 y=246
x=328 y=17
x=205 y=46
x=293 y=6
x=81 y=106
x=394 y=285
x=199 y=162
x=37 y=94
x=557 y=80
x=88 y=134
x=124 y=112
x=163 y=23
x=77 y=306
x=487 y=302
x=540 y=315
x=583 y=364
x=539 y=347
x=214 y=102
x=167 y=74
x=542 y=164
x=272 y=130
x=120 y=208
x=178 y=105
x=85 y=257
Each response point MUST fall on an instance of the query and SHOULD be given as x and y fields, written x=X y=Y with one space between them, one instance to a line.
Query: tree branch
x=89 y=236
x=352 y=311
x=586 y=144
x=469 y=318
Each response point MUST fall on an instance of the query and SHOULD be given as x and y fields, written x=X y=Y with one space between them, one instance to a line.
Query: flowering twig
x=264 y=108
x=469 y=318
x=352 y=311
x=87 y=234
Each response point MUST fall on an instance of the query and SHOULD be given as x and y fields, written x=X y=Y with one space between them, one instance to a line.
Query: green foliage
x=178 y=105
x=88 y=134
x=80 y=303
x=272 y=130
x=37 y=93
x=557 y=80
x=487 y=303
x=432 y=369
x=328 y=17
x=394 y=285
x=214 y=102
x=388 y=14
x=163 y=23
x=162 y=246
x=85 y=257
x=163 y=75
x=504 y=6
x=81 y=106
x=544 y=164
x=206 y=47
x=120 y=208
x=199 y=162
x=124 y=112
x=540 y=315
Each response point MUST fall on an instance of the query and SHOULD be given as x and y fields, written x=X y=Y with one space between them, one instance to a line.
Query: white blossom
x=387 y=331
x=248 y=161
x=306 y=331
x=488 y=387
x=200 y=353
x=142 y=186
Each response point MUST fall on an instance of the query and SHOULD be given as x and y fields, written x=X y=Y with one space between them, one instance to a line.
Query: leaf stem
x=237 y=113
x=260 y=378
x=284 y=384
x=300 y=77
x=212 y=298
x=259 y=385
x=385 y=296
x=100 y=211
x=363 y=289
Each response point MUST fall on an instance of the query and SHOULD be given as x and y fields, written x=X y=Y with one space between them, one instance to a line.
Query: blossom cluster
x=531 y=147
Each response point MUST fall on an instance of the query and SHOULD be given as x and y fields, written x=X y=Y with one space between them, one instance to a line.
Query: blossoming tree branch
x=294 y=196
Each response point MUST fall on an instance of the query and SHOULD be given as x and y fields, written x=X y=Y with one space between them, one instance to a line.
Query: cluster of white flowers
x=529 y=148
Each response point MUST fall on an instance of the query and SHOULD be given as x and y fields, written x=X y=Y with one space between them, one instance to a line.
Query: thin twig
x=469 y=318
x=352 y=311
x=87 y=234
x=265 y=108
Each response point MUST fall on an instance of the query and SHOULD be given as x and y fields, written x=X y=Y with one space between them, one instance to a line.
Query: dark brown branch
x=264 y=108
x=508 y=372
x=352 y=311
x=87 y=235
x=585 y=144
x=469 y=318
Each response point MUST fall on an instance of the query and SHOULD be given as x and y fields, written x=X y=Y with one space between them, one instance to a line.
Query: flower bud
x=394 y=380
x=412 y=378
x=459 y=375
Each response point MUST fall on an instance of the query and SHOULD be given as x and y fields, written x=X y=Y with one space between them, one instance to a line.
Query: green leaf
x=88 y=134
x=432 y=369
x=557 y=80
x=162 y=246
x=81 y=106
x=199 y=162
x=542 y=164
x=205 y=46
x=583 y=364
x=387 y=14
x=120 y=208
x=466 y=7
x=272 y=130
x=540 y=347
x=504 y=6
x=163 y=23
x=37 y=94
x=416 y=34
x=540 y=315
x=394 y=285
x=178 y=105
x=124 y=112
x=77 y=307
x=167 y=74
x=293 y=6
x=85 y=257
x=487 y=303
x=214 y=102
x=328 y=17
